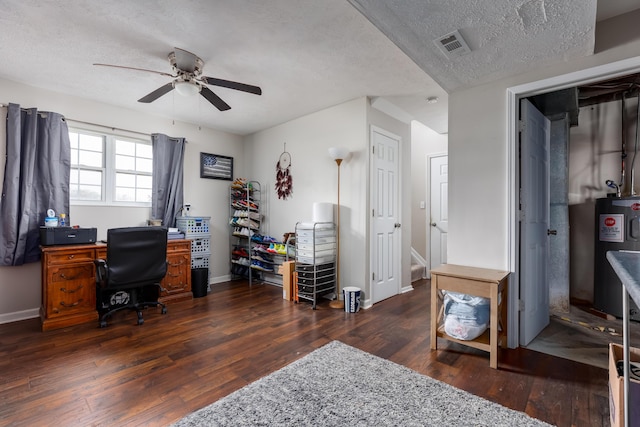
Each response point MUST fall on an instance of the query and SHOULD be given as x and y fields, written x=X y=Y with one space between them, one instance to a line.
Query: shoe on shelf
x=239 y=183
x=268 y=239
x=257 y=238
x=260 y=266
x=281 y=249
x=260 y=249
x=262 y=258
x=239 y=251
x=237 y=231
x=272 y=249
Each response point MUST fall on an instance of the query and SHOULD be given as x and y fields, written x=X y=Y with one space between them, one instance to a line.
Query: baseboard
x=19 y=315
x=406 y=289
x=220 y=279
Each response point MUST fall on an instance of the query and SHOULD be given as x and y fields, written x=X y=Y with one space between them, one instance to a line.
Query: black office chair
x=130 y=276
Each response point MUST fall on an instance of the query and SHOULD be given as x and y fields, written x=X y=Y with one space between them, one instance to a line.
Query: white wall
x=478 y=164
x=424 y=142
x=20 y=287
x=315 y=177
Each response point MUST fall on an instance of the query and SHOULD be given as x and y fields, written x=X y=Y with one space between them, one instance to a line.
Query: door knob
x=433 y=224
x=397 y=225
x=552 y=232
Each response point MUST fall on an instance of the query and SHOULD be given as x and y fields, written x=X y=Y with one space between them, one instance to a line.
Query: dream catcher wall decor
x=284 y=182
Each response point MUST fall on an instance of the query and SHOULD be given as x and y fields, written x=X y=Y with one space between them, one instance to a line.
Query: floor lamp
x=338 y=154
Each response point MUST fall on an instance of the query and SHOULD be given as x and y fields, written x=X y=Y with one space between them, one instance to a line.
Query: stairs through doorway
x=417 y=272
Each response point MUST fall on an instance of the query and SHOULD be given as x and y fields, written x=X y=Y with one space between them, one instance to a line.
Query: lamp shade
x=338 y=153
x=186 y=88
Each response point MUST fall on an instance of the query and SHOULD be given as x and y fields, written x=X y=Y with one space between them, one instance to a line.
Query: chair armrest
x=101 y=270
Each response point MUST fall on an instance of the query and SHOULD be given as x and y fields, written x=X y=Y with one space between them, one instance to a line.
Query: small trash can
x=199 y=282
x=351 y=299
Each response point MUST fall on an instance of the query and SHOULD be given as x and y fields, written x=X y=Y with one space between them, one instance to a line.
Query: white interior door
x=439 y=210
x=385 y=240
x=534 y=243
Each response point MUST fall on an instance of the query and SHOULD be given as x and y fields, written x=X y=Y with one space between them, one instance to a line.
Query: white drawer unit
x=315 y=260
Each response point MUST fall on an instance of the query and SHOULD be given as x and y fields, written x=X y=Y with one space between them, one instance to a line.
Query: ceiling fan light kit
x=188 y=81
x=185 y=88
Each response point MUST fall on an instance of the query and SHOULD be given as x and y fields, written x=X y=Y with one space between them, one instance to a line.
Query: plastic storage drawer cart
x=315 y=260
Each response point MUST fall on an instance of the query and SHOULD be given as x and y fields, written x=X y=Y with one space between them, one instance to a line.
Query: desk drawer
x=178 y=269
x=178 y=246
x=465 y=286
x=70 y=290
x=71 y=256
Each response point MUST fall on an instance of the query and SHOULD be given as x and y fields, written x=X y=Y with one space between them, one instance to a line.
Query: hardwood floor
x=204 y=349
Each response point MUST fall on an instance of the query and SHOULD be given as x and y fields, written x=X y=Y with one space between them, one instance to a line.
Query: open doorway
x=591 y=113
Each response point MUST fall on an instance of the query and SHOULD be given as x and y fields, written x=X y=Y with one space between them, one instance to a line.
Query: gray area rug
x=339 y=385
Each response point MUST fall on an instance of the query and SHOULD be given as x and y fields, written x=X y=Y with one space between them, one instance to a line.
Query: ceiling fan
x=188 y=80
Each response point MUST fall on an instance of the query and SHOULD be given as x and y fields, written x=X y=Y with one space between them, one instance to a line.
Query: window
x=110 y=169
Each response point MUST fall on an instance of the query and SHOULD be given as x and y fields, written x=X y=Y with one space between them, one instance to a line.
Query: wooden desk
x=69 y=281
x=478 y=282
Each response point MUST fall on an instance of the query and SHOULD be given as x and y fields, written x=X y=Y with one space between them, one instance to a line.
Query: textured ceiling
x=505 y=36
x=306 y=55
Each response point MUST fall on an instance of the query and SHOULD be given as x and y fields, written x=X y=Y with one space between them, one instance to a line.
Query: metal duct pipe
x=635 y=150
x=623 y=152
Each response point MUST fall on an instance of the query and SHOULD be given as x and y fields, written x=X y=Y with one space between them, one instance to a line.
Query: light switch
x=423 y=205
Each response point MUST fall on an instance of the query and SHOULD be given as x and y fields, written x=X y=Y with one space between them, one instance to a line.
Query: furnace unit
x=617 y=229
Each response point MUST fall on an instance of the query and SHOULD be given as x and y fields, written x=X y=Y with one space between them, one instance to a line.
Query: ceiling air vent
x=452 y=45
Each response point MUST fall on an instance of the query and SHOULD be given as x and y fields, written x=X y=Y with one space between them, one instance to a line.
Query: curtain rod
x=113 y=129
x=105 y=127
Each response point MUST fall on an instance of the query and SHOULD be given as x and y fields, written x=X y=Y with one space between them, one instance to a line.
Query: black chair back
x=136 y=255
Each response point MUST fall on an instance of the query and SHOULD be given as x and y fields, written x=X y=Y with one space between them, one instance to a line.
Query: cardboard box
x=288 y=268
x=616 y=388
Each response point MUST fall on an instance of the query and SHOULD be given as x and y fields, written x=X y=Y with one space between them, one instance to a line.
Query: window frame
x=109 y=171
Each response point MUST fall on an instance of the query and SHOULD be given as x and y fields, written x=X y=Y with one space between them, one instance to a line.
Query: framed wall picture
x=215 y=166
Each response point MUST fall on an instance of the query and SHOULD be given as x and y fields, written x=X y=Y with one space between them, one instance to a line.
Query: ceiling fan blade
x=185 y=60
x=162 y=90
x=232 y=85
x=137 y=69
x=214 y=99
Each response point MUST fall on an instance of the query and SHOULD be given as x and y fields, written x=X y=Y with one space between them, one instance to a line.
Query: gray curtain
x=168 y=159
x=36 y=178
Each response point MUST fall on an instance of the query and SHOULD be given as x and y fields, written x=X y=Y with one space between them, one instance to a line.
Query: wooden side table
x=482 y=282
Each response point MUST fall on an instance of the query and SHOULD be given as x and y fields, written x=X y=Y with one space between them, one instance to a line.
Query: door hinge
x=520 y=305
x=521 y=125
x=373 y=276
x=373 y=149
x=373 y=212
